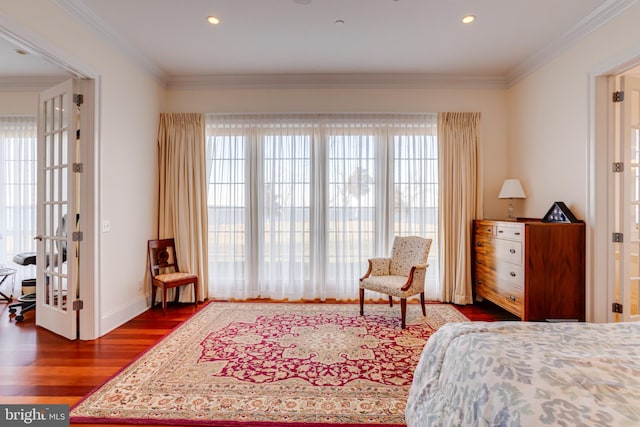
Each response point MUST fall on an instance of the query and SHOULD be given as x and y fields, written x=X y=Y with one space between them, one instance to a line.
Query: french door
x=627 y=202
x=59 y=167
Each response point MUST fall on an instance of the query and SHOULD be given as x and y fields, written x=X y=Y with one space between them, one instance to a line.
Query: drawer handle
x=512 y=298
x=479 y=262
x=512 y=274
x=500 y=231
x=488 y=230
x=478 y=282
x=513 y=251
x=478 y=244
x=517 y=233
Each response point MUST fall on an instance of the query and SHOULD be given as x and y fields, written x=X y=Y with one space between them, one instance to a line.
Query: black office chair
x=27 y=301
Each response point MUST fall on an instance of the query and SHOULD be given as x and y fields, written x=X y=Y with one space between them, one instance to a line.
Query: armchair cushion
x=397 y=286
x=390 y=285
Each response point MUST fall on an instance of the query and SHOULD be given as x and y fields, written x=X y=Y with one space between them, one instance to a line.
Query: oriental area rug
x=273 y=364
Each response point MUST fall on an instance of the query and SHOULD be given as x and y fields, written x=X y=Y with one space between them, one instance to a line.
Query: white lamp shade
x=512 y=189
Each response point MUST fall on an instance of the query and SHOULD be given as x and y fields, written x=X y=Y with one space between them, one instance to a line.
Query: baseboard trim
x=122 y=314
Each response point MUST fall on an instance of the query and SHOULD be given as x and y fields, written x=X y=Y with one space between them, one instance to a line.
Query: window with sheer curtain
x=298 y=203
x=18 y=157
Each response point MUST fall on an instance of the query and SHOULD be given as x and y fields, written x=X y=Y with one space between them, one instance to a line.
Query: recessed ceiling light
x=302 y=2
x=339 y=22
x=213 y=20
x=468 y=19
x=21 y=51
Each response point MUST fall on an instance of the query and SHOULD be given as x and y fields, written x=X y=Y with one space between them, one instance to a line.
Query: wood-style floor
x=39 y=367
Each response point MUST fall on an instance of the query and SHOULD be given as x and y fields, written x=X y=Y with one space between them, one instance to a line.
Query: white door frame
x=22 y=37
x=600 y=292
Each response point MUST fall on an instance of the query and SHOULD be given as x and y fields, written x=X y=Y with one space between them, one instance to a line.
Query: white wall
x=18 y=103
x=549 y=118
x=550 y=129
x=128 y=112
x=491 y=103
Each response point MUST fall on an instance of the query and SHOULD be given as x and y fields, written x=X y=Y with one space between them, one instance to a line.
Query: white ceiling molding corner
x=30 y=42
x=589 y=24
x=78 y=10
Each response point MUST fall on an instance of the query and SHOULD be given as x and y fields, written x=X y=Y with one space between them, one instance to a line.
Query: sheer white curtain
x=297 y=203
x=415 y=191
x=18 y=159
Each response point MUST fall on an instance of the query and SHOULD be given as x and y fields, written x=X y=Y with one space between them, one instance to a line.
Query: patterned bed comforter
x=528 y=374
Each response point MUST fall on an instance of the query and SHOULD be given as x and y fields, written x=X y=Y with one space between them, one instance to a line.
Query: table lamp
x=511 y=189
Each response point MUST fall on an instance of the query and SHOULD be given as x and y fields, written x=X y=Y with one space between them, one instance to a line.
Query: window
x=18 y=157
x=298 y=203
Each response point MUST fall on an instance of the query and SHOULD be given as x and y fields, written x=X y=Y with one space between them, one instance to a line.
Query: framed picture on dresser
x=559 y=212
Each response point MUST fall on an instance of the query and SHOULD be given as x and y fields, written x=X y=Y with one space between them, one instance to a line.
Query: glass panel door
x=57 y=210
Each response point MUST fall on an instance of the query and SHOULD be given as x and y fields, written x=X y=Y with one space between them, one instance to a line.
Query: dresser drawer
x=484 y=245
x=508 y=250
x=484 y=229
x=510 y=272
x=505 y=294
x=511 y=232
x=485 y=274
x=485 y=262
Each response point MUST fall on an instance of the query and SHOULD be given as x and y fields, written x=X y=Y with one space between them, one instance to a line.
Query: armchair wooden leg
x=153 y=295
x=403 y=312
x=390 y=301
x=195 y=293
x=361 y=302
x=424 y=310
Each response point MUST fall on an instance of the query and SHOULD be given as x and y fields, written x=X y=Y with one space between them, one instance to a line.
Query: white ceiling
x=260 y=39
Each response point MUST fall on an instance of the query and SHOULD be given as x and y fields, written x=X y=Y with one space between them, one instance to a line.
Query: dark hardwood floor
x=39 y=367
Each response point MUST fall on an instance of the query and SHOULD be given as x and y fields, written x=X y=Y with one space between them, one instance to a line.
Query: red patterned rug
x=250 y=364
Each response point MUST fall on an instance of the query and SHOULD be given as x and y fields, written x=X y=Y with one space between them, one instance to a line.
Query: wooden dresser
x=533 y=269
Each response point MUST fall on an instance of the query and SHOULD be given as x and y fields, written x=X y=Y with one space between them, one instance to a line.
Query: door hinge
x=77 y=236
x=618 y=167
x=618 y=96
x=78 y=167
x=78 y=99
x=78 y=305
x=617 y=237
x=616 y=307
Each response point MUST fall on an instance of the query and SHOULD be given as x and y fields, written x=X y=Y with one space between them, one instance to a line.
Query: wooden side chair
x=165 y=273
x=401 y=275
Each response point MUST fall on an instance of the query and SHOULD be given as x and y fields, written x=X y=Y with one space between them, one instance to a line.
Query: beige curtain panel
x=460 y=200
x=182 y=212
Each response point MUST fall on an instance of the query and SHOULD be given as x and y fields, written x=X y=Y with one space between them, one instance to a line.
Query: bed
x=528 y=374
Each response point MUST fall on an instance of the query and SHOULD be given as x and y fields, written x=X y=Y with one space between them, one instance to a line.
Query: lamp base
x=511 y=216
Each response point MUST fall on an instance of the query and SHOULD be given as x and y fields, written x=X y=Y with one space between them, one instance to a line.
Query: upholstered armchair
x=401 y=276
